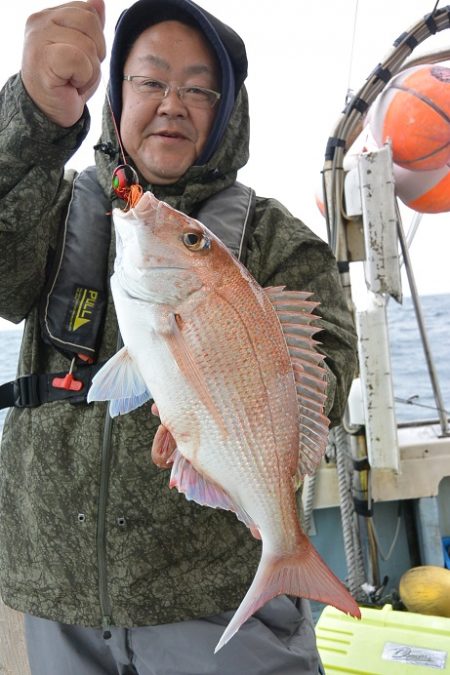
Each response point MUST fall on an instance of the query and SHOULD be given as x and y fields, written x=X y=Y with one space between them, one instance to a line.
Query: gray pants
x=277 y=640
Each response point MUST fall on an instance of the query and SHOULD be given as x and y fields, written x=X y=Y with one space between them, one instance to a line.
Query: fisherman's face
x=165 y=137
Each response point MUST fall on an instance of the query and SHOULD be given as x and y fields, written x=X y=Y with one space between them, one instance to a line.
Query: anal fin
x=197 y=487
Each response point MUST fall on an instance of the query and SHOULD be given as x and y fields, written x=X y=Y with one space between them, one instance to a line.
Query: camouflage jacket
x=89 y=531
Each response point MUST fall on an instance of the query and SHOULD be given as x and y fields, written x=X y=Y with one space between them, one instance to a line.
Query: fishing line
x=124 y=180
x=385 y=556
x=116 y=128
x=411 y=401
x=352 y=49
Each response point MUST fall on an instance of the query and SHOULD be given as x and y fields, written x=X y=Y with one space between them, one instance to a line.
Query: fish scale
x=226 y=367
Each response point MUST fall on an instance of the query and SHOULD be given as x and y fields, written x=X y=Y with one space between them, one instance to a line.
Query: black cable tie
x=431 y=23
x=383 y=74
x=411 y=42
x=439 y=13
x=361 y=464
x=398 y=41
x=362 y=508
x=406 y=39
x=343 y=266
x=333 y=143
x=358 y=104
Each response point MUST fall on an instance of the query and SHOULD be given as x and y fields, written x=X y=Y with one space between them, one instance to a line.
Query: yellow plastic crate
x=384 y=642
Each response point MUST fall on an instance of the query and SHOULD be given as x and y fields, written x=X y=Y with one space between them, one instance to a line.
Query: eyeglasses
x=198 y=97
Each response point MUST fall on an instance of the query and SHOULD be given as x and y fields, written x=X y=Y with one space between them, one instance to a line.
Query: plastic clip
x=68 y=382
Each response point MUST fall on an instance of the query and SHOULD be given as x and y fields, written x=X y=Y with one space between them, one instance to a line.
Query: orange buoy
x=424 y=191
x=413 y=111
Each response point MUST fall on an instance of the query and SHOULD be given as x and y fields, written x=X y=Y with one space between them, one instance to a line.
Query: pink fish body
x=238 y=383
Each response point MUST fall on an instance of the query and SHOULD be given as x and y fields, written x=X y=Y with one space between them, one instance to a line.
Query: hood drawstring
x=107 y=149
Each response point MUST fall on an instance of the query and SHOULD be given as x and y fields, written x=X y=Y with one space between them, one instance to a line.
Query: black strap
x=33 y=390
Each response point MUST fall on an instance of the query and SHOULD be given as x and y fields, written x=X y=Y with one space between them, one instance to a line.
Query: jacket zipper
x=105 y=601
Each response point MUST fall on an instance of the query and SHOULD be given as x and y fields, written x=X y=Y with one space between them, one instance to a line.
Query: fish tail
x=303 y=574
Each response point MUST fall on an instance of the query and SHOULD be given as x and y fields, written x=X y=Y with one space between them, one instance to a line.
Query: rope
x=353 y=553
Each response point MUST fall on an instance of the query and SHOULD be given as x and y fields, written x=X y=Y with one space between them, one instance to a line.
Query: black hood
x=225 y=42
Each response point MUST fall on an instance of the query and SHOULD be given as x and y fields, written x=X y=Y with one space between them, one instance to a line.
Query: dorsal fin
x=294 y=310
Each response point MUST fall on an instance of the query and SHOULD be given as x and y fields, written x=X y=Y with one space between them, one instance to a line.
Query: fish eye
x=196 y=241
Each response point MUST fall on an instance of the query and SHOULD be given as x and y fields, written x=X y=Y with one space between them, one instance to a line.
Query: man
x=115 y=572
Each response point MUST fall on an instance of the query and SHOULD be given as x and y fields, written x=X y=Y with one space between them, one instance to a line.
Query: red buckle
x=68 y=382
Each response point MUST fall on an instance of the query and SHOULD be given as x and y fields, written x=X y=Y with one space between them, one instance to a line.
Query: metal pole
x=423 y=334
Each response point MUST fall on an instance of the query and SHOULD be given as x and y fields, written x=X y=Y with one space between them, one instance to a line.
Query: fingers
x=163 y=447
x=255 y=532
x=61 y=65
x=80 y=21
x=99 y=7
x=163 y=444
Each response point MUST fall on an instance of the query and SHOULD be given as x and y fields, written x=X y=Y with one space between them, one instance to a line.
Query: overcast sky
x=303 y=57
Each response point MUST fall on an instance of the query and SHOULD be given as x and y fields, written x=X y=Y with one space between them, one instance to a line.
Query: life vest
x=74 y=301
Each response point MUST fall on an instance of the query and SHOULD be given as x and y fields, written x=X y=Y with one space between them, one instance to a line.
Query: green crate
x=383 y=642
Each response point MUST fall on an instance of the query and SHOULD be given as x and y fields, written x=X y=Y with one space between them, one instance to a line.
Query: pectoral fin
x=120 y=382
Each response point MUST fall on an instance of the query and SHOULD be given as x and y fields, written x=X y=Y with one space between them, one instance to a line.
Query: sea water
x=414 y=398
x=412 y=386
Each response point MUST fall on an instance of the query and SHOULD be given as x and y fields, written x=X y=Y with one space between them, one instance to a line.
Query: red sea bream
x=238 y=384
